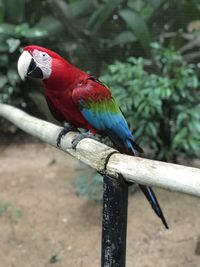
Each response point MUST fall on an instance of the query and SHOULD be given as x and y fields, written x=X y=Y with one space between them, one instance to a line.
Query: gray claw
x=81 y=136
x=67 y=128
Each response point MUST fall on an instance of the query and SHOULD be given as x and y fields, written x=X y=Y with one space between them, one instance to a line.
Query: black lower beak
x=34 y=71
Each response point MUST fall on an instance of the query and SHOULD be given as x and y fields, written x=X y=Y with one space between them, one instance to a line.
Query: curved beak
x=27 y=67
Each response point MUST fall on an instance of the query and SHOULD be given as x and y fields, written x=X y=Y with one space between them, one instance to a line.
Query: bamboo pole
x=95 y=154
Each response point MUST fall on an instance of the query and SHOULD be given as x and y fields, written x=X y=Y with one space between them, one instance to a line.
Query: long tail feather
x=131 y=148
x=148 y=192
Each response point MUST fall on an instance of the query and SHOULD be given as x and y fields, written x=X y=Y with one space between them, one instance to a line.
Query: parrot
x=80 y=99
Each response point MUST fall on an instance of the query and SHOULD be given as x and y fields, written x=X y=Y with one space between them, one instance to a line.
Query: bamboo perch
x=95 y=154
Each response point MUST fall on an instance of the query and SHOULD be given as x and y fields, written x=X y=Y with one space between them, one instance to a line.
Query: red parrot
x=82 y=101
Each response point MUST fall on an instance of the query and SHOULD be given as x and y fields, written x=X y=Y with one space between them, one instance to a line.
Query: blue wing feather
x=107 y=121
x=115 y=126
x=103 y=117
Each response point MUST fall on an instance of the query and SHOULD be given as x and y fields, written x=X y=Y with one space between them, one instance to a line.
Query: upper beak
x=27 y=67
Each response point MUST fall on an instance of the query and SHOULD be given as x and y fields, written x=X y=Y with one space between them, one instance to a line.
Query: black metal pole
x=114 y=228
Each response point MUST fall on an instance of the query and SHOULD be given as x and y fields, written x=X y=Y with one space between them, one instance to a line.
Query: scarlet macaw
x=83 y=101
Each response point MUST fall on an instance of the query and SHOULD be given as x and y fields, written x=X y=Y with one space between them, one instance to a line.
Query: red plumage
x=66 y=86
x=59 y=89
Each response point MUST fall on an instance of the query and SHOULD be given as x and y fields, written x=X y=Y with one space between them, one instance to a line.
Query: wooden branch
x=134 y=169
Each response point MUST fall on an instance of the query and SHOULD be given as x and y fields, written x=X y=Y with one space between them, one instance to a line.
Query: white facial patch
x=43 y=61
x=23 y=64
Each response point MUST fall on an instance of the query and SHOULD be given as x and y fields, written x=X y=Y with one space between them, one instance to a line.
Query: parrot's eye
x=44 y=56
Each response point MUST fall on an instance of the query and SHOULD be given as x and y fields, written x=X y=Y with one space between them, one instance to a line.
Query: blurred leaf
x=3 y=60
x=80 y=8
x=2 y=13
x=13 y=77
x=13 y=44
x=14 y=10
x=193 y=144
x=49 y=27
x=136 y=23
x=101 y=14
x=123 y=38
x=152 y=128
x=180 y=137
x=181 y=118
x=3 y=48
x=3 y=81
x=7 y=29
x=25 y=31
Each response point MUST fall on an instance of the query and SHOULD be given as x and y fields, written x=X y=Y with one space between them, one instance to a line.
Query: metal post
x=115 y=205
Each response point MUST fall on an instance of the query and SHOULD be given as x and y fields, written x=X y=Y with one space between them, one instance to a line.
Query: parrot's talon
x=66 y=129
x=80 y=137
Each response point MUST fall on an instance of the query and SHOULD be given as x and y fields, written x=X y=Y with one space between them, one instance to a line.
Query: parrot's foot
x=67 y=128
x=80 y=137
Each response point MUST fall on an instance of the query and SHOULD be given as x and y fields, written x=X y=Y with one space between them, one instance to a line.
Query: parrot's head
x=37 y=62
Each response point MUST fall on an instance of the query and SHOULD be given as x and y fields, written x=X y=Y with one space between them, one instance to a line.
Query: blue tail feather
x=147 y=190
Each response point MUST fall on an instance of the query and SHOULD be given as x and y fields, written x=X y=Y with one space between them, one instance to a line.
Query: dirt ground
x=43 y=223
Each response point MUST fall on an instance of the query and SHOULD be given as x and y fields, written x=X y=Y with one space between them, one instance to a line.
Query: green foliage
x=160 y=98
x=89 y=184
x=9 y=79
x=90 y=33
